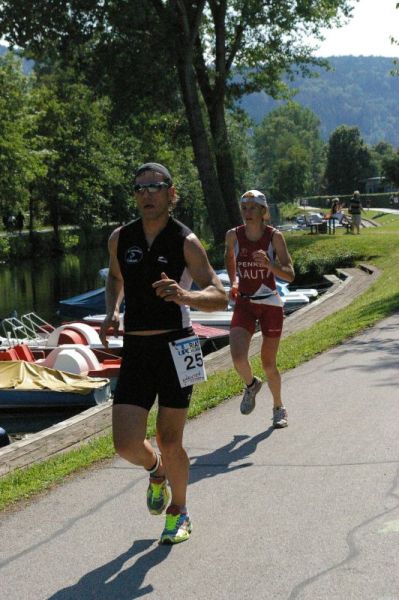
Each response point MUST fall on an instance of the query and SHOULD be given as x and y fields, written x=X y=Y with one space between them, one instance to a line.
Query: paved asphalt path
x=309 y=512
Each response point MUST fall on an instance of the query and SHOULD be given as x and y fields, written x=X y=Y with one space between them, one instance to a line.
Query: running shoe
x=248 y=400
x=280 y=417
x=177 y=526
x=157 y=495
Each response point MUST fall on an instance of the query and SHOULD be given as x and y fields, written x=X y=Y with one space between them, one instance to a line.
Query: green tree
x=220 y=50
x=21 y=161
x=348 y=161
x=84 y=168
x=390 y=168
x=380 y=153
x=289 y=152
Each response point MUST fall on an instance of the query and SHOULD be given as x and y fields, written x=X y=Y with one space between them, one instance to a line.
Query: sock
x=175 y=509
x=155 y=466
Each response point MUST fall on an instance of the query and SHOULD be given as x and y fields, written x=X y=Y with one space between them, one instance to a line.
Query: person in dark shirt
x=355 y=209
x=19 y=221
x=335 y=206
x=153 y=261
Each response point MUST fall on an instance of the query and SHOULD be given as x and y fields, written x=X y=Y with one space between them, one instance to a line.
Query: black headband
x=154 y=167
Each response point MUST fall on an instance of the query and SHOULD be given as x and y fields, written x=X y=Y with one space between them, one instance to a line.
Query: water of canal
x=38 y=286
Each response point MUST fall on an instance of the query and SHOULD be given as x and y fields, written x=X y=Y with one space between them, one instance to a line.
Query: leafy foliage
x=390 y=168
x=83 y=166
x=348 y=161
x=20 y=161
x=205 y=43
x=288 y=152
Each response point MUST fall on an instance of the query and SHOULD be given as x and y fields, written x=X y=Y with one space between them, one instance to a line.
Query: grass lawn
x=315 y=254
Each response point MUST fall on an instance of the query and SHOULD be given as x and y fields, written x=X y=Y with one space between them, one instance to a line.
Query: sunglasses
x=151 y=188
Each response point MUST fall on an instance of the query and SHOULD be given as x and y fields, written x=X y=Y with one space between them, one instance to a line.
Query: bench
x=329 y=225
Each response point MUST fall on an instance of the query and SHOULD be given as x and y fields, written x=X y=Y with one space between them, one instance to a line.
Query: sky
x=368 y=33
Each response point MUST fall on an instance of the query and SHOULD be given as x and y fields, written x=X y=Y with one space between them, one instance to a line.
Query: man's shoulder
x=179 y=227
x=131 y=226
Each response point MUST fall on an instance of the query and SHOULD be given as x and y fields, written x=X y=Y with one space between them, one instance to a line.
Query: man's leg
x=170 y=426
x=129 y=428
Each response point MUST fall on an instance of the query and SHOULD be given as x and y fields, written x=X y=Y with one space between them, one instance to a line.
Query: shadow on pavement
x=220 y=461
x=109 y=582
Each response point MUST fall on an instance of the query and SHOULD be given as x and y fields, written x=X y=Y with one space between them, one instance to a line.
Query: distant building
x=377 y=185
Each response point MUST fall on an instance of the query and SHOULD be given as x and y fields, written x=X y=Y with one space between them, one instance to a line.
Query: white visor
x=254 y=196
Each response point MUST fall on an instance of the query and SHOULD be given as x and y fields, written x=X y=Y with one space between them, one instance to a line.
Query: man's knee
x=169 y=443
x=129 y=448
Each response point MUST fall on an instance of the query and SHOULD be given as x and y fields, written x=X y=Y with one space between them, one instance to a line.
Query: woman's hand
x=233 y=293
x=261 y=259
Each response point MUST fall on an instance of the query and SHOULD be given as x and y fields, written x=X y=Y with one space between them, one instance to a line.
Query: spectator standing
x=19 y=222
x=355 y=209
x=335 y=206
x=11 y=222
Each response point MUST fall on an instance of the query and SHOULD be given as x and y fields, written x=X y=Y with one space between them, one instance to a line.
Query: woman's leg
x=269 y=363
x=240 y=339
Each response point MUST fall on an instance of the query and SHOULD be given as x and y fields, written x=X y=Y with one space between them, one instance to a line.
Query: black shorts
x=148 y=370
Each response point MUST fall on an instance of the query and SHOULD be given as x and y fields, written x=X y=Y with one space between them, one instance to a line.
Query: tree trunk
x=218 y=218
x=55 y=220
x=224 y=160
x=31 y=217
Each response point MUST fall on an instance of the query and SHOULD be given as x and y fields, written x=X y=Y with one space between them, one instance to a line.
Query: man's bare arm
x=230 y=257
x=113 y=289
x=211 y=295
x=231 y=263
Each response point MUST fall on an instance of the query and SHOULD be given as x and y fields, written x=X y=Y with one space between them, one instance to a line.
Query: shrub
x=4 y=248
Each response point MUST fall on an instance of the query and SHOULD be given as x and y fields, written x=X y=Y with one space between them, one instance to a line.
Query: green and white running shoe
x=177 y=526
x=158 y=495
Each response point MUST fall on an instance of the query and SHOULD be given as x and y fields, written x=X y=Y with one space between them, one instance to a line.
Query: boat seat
x=18 y=352
x=9 y=354
x=88 y=359
x=70 y=361
x=24 y=353
x=71 y=331
x=69 y=336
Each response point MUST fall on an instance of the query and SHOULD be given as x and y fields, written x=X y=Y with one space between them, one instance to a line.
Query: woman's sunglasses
x=152 y=188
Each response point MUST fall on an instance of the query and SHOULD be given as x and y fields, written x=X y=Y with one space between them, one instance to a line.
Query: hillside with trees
x=358 y=91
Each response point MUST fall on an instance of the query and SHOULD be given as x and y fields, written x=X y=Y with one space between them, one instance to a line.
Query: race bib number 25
x=188 y=359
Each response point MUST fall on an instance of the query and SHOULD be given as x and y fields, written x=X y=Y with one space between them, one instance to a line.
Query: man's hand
x=110 y=321
x=169 y=290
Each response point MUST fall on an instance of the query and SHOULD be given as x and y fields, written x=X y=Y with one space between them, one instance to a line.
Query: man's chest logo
x=133 y=255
